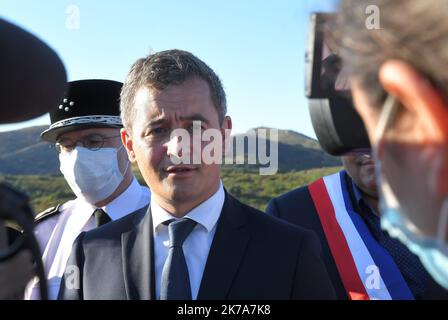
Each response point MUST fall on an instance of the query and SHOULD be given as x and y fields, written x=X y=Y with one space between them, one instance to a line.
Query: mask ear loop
x=127 y=166
x=387 y=116
x=442 y=236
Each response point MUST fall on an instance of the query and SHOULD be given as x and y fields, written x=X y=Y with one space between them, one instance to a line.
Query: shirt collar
x=206 y=214
x=121 y=205
x=357 y=193
x=360 y=200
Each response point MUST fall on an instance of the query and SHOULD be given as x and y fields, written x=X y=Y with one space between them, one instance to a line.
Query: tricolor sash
x=367 y=270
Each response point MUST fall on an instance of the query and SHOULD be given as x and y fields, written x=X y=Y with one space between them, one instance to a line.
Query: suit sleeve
x=272 y=208
x=311 y=278
x=72 y=280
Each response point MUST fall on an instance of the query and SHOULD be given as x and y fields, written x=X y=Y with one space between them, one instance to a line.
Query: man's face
x=406 y=163
x=157 y=114
x=361 y=169
x=94 y=137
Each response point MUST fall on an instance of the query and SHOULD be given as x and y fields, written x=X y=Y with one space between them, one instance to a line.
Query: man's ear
x=424 y=113
x=226 y=130
x=423 y=116
x=127 y=142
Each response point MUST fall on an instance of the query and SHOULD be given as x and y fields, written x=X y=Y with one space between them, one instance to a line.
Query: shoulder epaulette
x=47 y=214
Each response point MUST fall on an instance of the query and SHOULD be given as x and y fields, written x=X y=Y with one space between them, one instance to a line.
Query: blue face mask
x=433 y=252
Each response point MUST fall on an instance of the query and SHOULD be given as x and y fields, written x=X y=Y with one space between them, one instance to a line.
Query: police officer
x=85 y=128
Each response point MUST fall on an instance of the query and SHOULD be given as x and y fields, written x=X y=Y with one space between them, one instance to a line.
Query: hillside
x=23 y=153
x=296 y=152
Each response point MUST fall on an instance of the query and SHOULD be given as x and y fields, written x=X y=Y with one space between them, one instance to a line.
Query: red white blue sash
x=367 y=270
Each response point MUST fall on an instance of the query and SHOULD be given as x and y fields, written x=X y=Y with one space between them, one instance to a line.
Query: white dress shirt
x=56 y=234
x=196 y=246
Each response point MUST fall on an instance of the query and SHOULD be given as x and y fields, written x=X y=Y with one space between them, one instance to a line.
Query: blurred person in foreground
x=29 y=85
x=400 y=89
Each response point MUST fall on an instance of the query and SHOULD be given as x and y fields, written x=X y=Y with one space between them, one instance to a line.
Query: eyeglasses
x=92 y=142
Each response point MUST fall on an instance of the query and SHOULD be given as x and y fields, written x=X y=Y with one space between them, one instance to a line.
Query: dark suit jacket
x=252 y=256
x=297 y=207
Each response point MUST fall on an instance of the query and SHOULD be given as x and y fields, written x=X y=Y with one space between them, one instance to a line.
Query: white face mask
x=433 y=252
x=92 y=175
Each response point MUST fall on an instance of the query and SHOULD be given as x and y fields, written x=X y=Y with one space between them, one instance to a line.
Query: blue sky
x=256 y=47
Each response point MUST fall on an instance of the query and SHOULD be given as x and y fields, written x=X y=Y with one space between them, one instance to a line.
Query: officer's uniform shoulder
x=50 y=212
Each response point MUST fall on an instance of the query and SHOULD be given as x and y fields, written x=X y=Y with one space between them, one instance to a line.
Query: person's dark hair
x=415 y=32
x=165 y=68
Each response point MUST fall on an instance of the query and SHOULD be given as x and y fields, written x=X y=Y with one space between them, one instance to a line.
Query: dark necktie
x=101 y=217
x=175 y=283
x=409 y=264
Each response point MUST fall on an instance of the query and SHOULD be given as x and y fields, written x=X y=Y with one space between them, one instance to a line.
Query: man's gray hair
x=415 y=32
x=165 y=68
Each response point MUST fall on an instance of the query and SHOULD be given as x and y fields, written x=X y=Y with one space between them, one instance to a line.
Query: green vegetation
x=46 y=191
x=43 y=191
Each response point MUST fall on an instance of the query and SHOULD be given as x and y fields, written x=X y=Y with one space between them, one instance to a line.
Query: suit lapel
x=138 y=258
x=226 y=252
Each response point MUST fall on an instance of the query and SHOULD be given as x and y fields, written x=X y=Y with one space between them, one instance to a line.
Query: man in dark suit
x=342 y=209
x=194 y=241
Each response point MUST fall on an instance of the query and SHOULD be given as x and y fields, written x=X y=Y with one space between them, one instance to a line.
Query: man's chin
x=179 y=190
